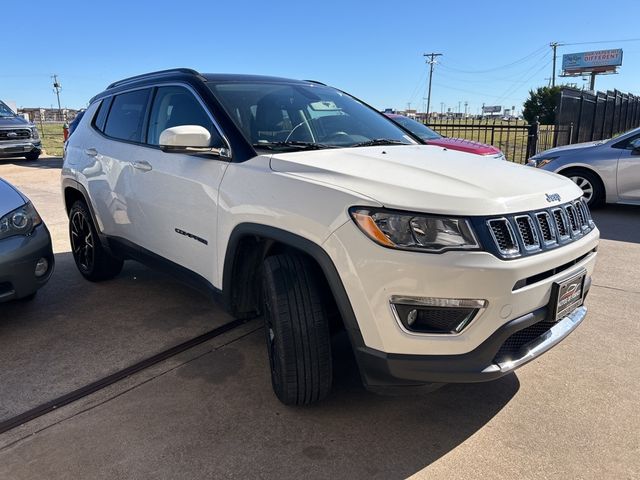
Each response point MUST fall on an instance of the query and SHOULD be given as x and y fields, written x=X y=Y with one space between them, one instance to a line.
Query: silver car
x=607 y=171
x=26 y=257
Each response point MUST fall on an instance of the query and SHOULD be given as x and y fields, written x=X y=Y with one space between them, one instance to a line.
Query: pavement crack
x=127 y=390
x=615 y=288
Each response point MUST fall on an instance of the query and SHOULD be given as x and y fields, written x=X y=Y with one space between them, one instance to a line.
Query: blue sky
x=371 y=49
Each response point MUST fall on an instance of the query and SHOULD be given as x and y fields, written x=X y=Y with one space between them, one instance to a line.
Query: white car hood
x=10 y=199
x=430 y=179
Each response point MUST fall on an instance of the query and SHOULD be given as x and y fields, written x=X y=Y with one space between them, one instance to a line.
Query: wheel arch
x=250 y=243
x=74 y=191
x=577 y=168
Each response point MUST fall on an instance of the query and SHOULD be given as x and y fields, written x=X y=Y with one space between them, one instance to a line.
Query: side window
x=175 y=106
x=126 y=116
x=101 y=117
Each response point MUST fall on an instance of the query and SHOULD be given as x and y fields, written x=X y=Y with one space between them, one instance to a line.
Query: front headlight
x=34 y=133
x=540 y=162
x=415 y=231
x=20 y=221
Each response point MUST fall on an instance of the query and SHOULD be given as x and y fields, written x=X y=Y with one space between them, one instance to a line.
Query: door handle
x=142 y=166
x=92 y=152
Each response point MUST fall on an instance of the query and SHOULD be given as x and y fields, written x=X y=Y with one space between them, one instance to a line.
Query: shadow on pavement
x=43 y=162
x=618 y=222
x=75 y=332
x=217 y=417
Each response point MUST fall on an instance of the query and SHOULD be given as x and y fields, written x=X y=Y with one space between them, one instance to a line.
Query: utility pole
x=554 y=46
x=466 y=104
x=431 y=62
x=56 y=88
x=459 y=103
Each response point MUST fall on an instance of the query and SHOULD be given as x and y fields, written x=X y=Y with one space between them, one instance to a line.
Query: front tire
x=92 y=259
x=297 y=329
x=591 y=185
x=32 y=156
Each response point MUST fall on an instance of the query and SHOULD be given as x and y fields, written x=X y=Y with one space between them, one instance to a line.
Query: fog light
x=42 y=267
x=435 y=315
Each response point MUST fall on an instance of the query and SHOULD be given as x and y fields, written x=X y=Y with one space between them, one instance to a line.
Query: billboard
x=491 y=108
x=598 y=61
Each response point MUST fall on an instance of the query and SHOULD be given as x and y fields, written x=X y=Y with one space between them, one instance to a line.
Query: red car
x=430 y=137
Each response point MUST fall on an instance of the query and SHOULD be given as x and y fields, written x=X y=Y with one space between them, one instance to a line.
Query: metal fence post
x=532 y=139
x=570 y=133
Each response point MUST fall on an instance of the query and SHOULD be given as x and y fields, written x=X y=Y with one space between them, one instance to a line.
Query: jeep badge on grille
x=553 y=197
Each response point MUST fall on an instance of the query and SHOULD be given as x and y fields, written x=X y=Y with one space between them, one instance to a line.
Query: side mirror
x=190 y=139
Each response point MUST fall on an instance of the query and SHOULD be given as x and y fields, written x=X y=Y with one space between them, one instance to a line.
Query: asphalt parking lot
x=209 y=412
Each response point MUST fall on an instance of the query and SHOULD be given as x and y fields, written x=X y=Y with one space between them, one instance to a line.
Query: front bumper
x=18 y=257
x=19 y=148
x=381 y=370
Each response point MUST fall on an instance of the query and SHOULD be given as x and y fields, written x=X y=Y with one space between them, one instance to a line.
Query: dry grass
x=52 y=138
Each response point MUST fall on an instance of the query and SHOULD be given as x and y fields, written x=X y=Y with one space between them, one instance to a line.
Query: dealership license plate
x=567 y=295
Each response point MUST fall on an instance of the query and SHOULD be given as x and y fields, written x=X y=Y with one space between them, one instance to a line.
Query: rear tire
x=92 y=259
x=296 y=329
x=591 y=185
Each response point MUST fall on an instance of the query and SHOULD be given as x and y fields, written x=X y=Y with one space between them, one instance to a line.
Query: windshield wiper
x=293 y=144
x=379 y=141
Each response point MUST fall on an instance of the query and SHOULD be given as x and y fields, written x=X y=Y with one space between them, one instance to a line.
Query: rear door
x=176 y=193
x=110 y=154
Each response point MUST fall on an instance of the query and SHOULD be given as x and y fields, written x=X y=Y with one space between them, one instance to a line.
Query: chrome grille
x=548 y=232
x=527 y=232
x=12 y=134
x=531 y=232
x=560 y=223
x=573 y=218
x=502 y=234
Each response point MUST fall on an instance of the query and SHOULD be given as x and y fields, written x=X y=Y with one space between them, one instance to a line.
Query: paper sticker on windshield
x=324 y=106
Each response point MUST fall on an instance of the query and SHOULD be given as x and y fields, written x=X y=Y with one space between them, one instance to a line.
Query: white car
x=293 y=200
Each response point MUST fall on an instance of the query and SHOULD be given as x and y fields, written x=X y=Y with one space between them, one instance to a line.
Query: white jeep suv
x=295 y=201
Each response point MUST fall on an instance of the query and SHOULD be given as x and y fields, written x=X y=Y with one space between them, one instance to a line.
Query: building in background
x=44 y=115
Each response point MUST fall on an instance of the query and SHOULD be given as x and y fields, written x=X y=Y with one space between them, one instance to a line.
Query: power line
x=493 y=69
x=605 y=41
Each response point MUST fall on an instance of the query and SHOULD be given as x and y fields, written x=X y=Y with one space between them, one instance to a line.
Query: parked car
x=18 y=137
x=26 y=257
x=294 y=200
x=606 y=171
x=430 y=137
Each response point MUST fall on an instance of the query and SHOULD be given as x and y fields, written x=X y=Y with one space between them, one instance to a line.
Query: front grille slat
x=573 y=218
x=548 y=232
x=528 y=233
x=503 y=236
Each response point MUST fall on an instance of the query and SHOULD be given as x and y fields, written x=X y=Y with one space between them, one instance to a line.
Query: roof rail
x=316 y=82
x=188 y=71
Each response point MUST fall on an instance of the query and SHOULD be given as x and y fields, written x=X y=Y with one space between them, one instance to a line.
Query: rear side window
x=101 y=116
x=126 y=116
x=175 y=106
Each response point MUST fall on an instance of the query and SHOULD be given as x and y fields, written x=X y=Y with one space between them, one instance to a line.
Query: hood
x=13 y=122
x=429 y=179
x=10 y=198
x=463 y=145
x=568 y=149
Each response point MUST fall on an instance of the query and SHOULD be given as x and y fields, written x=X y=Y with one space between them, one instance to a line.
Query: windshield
x=5 y=111
x=286 y=117
x=417 y=128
